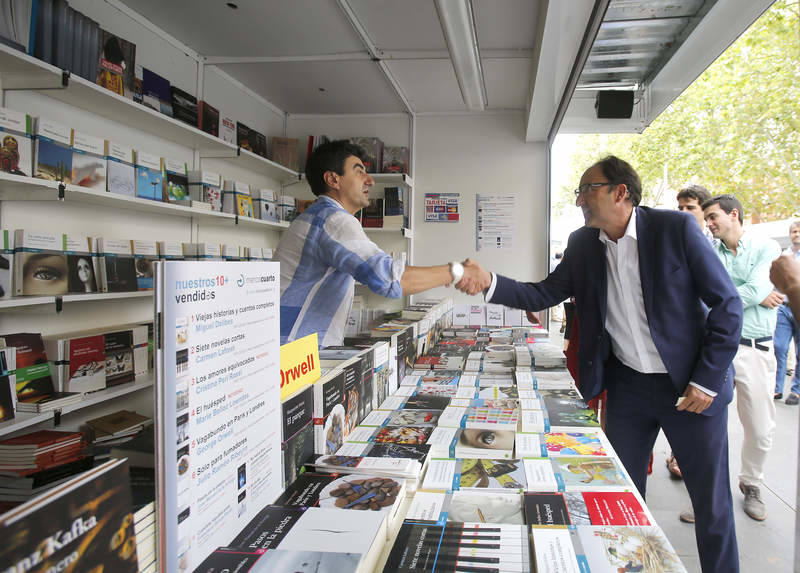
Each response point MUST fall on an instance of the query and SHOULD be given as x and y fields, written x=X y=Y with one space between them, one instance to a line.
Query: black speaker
x=614 y=104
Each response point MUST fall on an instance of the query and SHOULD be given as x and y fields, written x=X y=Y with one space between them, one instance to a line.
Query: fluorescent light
x=458 y=25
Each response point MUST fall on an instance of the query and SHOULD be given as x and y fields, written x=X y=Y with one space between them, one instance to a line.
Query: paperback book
x=584 y=508
x=447 y=474
x=395 y=159
x=250 y=139
x=53 y=152
x=373 y=149
x=88 y=161
x=467 y=506
x=51 y=264
x=175 y=182
x=231 y=194
x=566 y=473
x=530 y=444
x=78 y=362
x=265 y=205
x=149 y=180
x=206 y=186
x=145 y=253
x=156 y=92
x=184 y=106
x=120 y=170
x=208 y=118
x=16 y=149
x=284 y=152
x=116 y=65
x=6 y=263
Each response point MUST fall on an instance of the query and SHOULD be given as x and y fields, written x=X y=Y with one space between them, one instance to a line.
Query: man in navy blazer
x=659 y=325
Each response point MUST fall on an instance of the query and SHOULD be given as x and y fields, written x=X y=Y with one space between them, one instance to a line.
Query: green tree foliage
x=736 y=129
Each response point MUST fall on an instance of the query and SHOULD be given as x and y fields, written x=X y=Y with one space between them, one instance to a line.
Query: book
x=33 y=377
x=86 y=520
x=452 y=546
x=208 y=118
x=393 y=217
x=250 y=139
x=472 y=443
x=51 y=263
x=567 y=473
x=373 y=214
x=584 y=508
x=184 y=106
x=244 y=205
x=149 y=179
x=287 y=208
x=144 y=254
x=608 y=548
x=117 y=265
x=88 y=161
x=79 y=362
x=206 y=186
x=116 y=64
x=175 y=182
x=169 y=250
x=283 y=151
x=445 y=474
x=120 y=170
x=359 y=493
x=6 y=263
x=126 y=353
x=16 y=135
x=119 y=422
x=156 y=92
x=373 y=150
x=265 y=204
x=566 y=410
x=227 y=129
x=52 y=151
x=561 y=444
x=395 y=159
x=467 y=506
x=48 y=402
x=231 y=192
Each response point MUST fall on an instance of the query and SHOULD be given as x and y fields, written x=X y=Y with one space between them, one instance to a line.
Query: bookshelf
x=24 y=420
x=47 y=304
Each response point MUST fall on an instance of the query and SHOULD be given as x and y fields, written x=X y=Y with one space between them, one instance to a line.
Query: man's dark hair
x=329 y=157
x=619 y=171
x=559 y=255
x=694 y=191
x=727 y=203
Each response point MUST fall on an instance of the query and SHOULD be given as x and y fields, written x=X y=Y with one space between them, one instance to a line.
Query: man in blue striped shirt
x=325 y=250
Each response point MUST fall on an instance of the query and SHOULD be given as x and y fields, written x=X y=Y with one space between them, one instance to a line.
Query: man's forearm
x=418 y=279
x=794 y=301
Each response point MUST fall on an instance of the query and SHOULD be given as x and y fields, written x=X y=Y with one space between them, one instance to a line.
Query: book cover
x=206 y=186
x=7 y=397
x=184 y=106
x=208 y=118
x=466 y=506
x=246 y=138
x=284 y=152
x=33 y=372
x=53 y=153
x=175 y=181
x=6 y=263
x=88 y=161
x=566 y=410
x=86 y=522
x=329 y=412
x=117 y=61
x=227 y=129
x=373 y=150
x=484 y=474
x=373 y=214
x=149 y=180
x=406 y=435
x=86 y=366
x=144 y=254
x=118 y=267
x=395 y=159
x=16 y=136
x=80 y=265
x=120 y=170
x=119 y=357
x=554 y=551
x=156 y=92
x=118 y=422
x=297 y=451
x=266 y=205
x=231 y=191
x=484 y=443
x=244 y=206
x=609 y=549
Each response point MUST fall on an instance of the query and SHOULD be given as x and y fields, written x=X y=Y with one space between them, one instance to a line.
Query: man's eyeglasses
x=589 y=186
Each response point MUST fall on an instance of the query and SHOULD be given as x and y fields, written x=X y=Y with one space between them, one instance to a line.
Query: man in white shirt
x=659 y=324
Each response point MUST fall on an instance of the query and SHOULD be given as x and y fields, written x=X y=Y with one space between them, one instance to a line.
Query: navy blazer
x=682 y=277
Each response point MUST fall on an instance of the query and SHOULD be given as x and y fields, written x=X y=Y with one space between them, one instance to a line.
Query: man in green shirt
x=747 y=260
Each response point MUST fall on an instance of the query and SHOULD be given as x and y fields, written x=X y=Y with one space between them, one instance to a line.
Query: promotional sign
x=219 y=451
x=299 y=364
x=442 y=207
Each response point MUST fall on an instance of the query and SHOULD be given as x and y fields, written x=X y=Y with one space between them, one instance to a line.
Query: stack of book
x=118 y=427
x=35 y=462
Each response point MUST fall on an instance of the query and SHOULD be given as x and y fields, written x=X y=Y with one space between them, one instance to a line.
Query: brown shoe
x=674 y=470
x=686 y=516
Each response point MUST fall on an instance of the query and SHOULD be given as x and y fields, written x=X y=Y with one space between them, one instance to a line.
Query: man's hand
x=773 y=300
x=532 y=318
x=475 y=279
x=695 y=400
x=785 y=273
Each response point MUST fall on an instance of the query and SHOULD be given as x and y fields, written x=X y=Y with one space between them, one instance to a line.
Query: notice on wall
x=494 y=221
x=218 y=403
x=442 y=207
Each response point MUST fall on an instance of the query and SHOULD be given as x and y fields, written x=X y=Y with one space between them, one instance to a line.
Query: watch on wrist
x=456 y=271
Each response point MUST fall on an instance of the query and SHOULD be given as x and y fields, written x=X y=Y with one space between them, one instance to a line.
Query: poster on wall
x=494 y=221
x=219 y=450
x=442 y=207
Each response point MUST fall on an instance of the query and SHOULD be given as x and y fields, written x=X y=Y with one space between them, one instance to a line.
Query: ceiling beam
x=374 y=53
x=345 y=57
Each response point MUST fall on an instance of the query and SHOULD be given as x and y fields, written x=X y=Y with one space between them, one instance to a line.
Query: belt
x=754 y=342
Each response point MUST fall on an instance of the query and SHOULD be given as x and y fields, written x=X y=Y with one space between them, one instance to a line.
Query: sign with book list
x=219 y=450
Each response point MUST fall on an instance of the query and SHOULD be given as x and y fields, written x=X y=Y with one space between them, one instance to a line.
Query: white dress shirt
x=626 y=319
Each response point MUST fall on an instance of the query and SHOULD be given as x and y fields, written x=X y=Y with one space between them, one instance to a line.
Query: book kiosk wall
x=34 y=87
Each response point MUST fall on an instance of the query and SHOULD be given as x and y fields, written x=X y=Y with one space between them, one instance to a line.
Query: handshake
x=475 y=279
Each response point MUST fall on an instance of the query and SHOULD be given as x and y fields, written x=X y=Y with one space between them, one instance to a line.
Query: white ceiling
x=314 y=56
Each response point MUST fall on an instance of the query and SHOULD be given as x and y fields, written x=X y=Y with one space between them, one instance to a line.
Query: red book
x=36 y=441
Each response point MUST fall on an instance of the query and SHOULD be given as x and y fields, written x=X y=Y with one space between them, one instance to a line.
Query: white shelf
x=26 y=302
x=407 y=233
x=24 y=420
x=399 y=179
x=19 y=188
x=249 y=160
